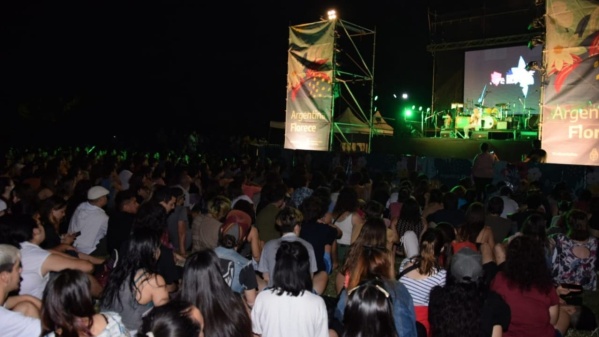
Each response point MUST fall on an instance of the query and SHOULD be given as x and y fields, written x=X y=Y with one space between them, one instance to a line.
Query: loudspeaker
x=479 y=135
x=529 y=135
x=446 y=134
x=501 y=125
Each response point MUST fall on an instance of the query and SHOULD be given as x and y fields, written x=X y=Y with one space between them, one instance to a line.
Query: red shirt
x=530 y=309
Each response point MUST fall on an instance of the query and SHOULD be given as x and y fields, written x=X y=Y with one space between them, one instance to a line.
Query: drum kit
x=492 y=118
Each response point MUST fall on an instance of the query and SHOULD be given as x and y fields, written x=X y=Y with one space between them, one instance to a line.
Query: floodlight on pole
x=331 y=14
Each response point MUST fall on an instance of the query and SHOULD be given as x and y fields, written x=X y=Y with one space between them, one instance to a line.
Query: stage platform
x=509 y=145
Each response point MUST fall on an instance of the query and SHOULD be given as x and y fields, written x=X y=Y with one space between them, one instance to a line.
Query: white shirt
x=510 y=206
x=289 y=316
x=32 y=280
x=92 y=222
x=15 y=324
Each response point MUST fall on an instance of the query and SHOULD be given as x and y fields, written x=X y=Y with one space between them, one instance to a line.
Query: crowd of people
x=117 y=243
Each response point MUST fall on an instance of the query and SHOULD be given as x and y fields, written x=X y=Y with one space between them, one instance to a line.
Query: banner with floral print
x=310 y=86
x=570 y=125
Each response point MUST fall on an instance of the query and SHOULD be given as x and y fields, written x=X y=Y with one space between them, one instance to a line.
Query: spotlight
x=535 y=41
x=332 y=14
x=534 y=65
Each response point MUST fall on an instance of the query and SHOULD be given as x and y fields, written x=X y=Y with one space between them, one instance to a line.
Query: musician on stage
x=474 y=122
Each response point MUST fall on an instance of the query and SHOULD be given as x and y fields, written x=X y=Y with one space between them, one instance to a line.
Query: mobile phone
x=76 y=234
x=571 y=286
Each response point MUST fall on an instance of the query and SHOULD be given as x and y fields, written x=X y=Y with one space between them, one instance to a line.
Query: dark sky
x=120 y=67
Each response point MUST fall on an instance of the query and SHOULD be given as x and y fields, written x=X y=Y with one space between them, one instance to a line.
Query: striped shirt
x=421 y=289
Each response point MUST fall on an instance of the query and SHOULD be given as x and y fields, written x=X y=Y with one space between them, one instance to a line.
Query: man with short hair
x=91 y=221
x=20 y=314
x=121 y=220
x=288 y=221
x=501 y=227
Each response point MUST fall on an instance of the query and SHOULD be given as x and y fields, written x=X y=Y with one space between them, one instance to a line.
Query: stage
x=509 y=145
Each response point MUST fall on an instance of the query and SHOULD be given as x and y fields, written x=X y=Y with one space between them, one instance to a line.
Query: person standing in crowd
x=483 y=170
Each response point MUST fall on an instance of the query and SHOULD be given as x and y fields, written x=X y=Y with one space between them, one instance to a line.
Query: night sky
x=125 y=68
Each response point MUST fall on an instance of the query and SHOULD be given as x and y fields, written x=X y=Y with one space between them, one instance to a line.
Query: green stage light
x=408 y=113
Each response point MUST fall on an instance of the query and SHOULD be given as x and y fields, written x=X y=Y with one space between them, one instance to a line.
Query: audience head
x=292 y=269
x=525 y=265
x=313 y=208
x=126 y=201
x=218 y=207
x=288 y=218
x=535 y=226
x=10 y=267
x=67 y=304
x=177 y=318
x=368 y=256
x=142 y=252
x=495 y=205
x=369 y=311
x=431 y=245
x=235 y=229
x=466 y=266
x=202 y=284
x=578 y=225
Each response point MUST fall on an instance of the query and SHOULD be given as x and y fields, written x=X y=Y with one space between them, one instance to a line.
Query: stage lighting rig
x=535 y=41
x=534 y=65
x=537 y=23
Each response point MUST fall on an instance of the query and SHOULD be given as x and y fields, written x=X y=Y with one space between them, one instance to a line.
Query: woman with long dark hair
x=525 y=284
x=224 y=311
x=134 y=286
x=369 y=311
x=369 y=259
x=68 y=309
x=289 y=307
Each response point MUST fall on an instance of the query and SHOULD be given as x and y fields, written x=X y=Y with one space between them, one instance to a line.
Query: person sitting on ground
x=237 y=270
x=203 y=285
x=320 y=234
x=369 y=311
x=92 y=221
x=289 y=221
x=501 y=227
x=575 y=259
x=525 y=284
x=369 y=259
x=289 y=307
x=20 y=314
x=27 y=234
x=134 y=286
x=478 y=312
x=176 y=318
x=68 y=309
x=422 y=272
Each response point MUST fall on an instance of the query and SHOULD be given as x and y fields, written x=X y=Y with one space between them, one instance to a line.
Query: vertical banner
x=309 y=86
x=570 y=126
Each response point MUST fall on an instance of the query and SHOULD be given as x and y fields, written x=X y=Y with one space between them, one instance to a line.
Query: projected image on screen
x=496 y=81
